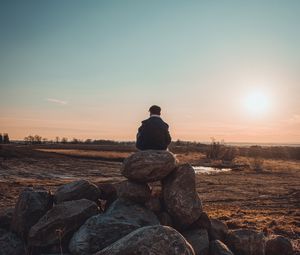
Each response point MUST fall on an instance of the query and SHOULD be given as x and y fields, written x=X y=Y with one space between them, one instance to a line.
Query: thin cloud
x=57 y=101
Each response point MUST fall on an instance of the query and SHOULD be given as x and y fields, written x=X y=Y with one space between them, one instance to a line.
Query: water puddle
x=210 y=170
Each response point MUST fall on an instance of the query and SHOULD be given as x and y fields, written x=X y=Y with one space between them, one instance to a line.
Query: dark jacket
x=153 y=134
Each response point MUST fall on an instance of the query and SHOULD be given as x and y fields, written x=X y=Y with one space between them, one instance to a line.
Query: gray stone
x=133 y=191
x=10 y=244
x=97 y=233
x=279 y=245
x=148 y=166
x=180 y=196
x=77 y=190
x=132 y=213
x=61 y=222
x=154 y=240
x=216 y=247
x=246 y=242
x=198 y=238
x=32 y=204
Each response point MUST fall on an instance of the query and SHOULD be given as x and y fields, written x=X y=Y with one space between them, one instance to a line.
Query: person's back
x=153 y=134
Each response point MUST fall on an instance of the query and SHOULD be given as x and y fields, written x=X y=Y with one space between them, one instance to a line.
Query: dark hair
x=154 y=109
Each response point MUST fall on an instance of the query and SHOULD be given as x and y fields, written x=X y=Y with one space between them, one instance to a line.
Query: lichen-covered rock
x=154 y=240
x=97 y=233
x=6 y=216
x=216 y=247
x=61 y=221
x=246 y=242
x=180 y=196
x=32 y=204
x=148 y=166
x=279 y=245
x=77 y=190
x=198 y=238
x=219 y=230
x=10 y=244
x=133 y=191
x=132 y=213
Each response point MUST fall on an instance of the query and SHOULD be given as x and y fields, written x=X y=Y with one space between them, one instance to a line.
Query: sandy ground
x=268 y=201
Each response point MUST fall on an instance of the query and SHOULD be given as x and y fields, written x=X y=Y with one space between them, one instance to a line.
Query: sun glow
x=257 y=102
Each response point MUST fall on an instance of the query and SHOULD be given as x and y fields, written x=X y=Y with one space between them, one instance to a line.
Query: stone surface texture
x=148 y=166
x=154 y=240
x=61 y=221
x=180 y=196
x=77 y=190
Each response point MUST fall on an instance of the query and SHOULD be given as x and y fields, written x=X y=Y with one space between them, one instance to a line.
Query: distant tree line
x=4 y=138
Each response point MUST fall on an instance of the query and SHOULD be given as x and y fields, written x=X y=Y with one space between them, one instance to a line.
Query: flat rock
x=246 y=242
x=198 y=238
x=10 y=244
x=32 y=204
x=77 y=190
x=133 y=191
x=61 y=222
x=132 y=213
x=180 y=196
x=148 y=166
x=154 y=240
x=216 y=247
x=99 y=232
x=279 y=245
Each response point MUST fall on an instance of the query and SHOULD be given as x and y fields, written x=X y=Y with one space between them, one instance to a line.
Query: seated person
x=153 y=134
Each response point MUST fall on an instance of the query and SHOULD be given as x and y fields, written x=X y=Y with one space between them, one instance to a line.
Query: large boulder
x=219 y=230
x=180 y=196
x=198 y=238
x=61 y=222
x=99 y=232
x=10 y=244
x=148 y=166
x=32 y=204
x=216 y=247
x=6 y=216
x=279 y=245
x=246 y=242
x=77 y=190
x=133 y=191
x=125 y=210
x=154 y=240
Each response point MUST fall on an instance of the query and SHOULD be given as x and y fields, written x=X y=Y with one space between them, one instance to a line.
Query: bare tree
x=5 y=138
x=64 y=140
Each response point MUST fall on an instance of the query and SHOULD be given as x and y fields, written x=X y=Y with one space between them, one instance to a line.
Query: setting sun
x=257 y=102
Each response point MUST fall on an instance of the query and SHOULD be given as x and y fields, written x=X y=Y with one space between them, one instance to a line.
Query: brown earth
x=267 y=200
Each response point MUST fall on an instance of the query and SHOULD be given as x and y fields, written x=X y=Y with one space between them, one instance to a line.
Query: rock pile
x=136 y=220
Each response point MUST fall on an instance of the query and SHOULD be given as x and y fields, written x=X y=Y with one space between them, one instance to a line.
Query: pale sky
x=91 y=69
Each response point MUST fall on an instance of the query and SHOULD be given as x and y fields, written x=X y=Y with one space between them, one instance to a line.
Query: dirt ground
x=267 y=200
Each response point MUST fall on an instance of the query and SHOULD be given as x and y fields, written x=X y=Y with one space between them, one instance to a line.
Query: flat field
x=267 y=200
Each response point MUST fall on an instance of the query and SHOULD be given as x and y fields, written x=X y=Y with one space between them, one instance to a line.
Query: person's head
x=154 y=109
